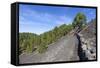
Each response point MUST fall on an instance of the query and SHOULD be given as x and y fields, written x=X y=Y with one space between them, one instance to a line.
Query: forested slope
x=30 y=42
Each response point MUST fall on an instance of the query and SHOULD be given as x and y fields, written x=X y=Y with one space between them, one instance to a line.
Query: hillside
x=65 y=49
x=71 y=47
x=81 y=46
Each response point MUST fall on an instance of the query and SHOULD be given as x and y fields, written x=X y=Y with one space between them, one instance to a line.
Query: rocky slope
x=88 y=40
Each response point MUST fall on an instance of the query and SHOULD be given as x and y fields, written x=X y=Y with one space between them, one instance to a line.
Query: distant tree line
x=30 y=42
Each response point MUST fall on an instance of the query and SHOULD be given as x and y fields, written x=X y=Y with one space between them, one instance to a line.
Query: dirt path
x=65 y=49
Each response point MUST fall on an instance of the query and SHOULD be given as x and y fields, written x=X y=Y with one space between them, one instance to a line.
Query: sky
x=39 y=19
